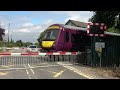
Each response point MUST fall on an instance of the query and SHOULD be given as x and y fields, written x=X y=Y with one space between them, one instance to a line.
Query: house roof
x=78 y=23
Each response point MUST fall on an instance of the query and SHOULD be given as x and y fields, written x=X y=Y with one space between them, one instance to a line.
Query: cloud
x=49 y=21
x=29 y=31
x=37 y=27
x=24 y=30
x=77 y=18
x=27 y=24
x=23 y=27
x=82 y=16
x=73 y=18
x=71 y=13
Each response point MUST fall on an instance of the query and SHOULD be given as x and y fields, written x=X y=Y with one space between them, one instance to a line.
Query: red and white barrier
x=36 y=53
x=6 y=48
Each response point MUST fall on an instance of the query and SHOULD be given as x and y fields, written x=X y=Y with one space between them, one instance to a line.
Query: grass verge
x=109 y=71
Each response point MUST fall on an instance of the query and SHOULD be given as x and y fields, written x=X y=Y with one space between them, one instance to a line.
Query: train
x=60 y=37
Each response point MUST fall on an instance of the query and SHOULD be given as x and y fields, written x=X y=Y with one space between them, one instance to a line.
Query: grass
x=1 y=50
x=116 y=71
x=109 y=71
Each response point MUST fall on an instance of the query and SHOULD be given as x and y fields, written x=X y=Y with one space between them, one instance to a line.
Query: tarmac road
x=47 y=71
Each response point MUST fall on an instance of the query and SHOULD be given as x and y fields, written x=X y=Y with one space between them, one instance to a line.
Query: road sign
x=100 y=44
x=96 y=29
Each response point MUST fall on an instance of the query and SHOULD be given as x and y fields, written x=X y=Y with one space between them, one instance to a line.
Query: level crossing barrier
x=20 y=59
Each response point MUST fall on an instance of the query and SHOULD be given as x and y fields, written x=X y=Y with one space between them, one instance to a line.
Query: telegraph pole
x=8 y=32
x=11 y=36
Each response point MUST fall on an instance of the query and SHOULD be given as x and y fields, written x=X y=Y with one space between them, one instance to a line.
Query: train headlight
x=53 y=44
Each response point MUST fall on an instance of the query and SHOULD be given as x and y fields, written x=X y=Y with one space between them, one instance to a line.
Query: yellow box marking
x=58 y=74
x=77 y=71
x=1 y=73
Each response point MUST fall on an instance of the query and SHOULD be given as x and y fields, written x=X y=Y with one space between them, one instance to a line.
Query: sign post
x=98 y=48
x=4 y=48
x=96 y=30
x=100 y=55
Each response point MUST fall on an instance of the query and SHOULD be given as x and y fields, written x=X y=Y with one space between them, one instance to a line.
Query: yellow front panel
x=47 y=44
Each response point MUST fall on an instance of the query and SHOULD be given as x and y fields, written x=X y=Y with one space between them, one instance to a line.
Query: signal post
x=95 y=31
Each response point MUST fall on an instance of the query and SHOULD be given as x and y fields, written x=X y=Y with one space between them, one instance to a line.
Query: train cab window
x=67 y=36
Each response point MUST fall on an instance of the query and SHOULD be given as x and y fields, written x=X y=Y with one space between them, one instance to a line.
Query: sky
x=27 y=25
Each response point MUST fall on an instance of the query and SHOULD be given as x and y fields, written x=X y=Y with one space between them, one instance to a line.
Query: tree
x=2 y=33
x=40 y=38
x=111 y=18
x=36 y=44
x=26 y=44
x=19 y=43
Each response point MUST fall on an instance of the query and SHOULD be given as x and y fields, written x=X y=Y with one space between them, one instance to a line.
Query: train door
x=74 y=42
x=61 y=41
x=67 y=42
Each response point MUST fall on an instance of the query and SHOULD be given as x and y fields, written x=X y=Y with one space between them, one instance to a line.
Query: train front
x=50 y=38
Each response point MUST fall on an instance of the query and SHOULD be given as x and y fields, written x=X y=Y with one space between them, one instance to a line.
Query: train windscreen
x=51 y=34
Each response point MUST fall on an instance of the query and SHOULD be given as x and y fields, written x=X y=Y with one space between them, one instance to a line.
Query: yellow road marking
x=5 y=66
x=1 y=73
x=58 y=74
x=77 y=71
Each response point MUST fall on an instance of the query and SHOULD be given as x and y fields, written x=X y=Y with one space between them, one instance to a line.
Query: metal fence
x=14 y=61
x=110 y=54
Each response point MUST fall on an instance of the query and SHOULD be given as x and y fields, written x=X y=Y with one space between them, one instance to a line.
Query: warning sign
x=100 y=44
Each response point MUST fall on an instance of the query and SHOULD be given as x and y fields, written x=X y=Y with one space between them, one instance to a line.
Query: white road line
x=27 y=72
x=35 y=67
x=48 y=71
x=52 y=65
x=12 y=69
x=31 y=69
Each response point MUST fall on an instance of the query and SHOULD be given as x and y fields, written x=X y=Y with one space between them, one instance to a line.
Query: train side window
x=73 y=38
x=67 y=36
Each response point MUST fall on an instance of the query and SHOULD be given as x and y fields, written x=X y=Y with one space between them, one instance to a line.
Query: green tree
x=2 y=33
x=26 y=44
x=19 y=43
x=36 y=44
x=40 y=38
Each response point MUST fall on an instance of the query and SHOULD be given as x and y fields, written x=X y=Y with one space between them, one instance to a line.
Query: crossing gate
x=21 y=59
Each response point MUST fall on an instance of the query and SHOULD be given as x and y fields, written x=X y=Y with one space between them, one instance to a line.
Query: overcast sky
x=27 y=25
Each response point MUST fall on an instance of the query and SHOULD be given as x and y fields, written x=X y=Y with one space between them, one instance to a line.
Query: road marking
x=1 y=73
x=27 y=72
x=31 y=69
x=51 y=65
x=4 y=66
x=58 y=74
x=48 y=71
x=77 y=71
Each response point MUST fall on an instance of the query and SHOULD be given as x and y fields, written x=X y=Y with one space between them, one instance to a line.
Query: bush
x=1 y=50
x=113 y=29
